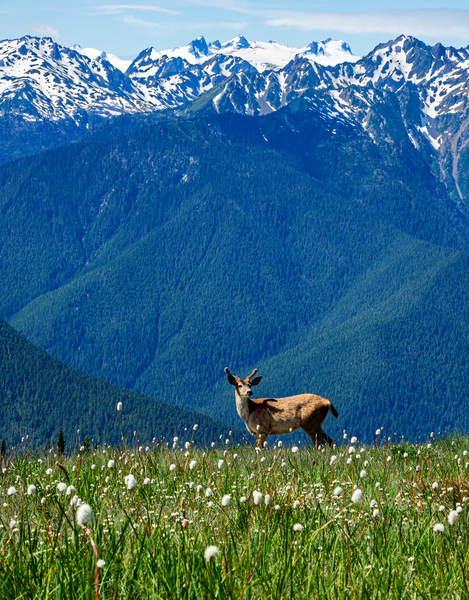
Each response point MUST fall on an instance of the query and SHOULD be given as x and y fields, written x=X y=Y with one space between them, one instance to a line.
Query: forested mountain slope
x=41 y=395
x=156 y=252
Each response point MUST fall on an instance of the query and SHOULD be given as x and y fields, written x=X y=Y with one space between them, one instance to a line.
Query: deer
x=266 y=416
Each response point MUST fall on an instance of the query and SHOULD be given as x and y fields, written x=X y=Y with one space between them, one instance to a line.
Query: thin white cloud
x=232 y=5
x=165 y=27
x=117 y=9
x=47 y=31
x=435 y=23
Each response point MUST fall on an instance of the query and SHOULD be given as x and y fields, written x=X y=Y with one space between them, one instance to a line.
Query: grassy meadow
x=388 y=520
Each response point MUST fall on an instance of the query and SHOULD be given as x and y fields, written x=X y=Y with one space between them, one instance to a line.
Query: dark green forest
x=155 y=252
x=41 y=395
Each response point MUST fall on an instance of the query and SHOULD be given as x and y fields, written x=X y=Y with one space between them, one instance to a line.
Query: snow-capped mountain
x=402 y=89
x=261 y=55
x=39 y=79
x=94 y=54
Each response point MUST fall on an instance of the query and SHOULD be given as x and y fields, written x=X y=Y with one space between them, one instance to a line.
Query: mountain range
x=57 y=93
x=236 y=205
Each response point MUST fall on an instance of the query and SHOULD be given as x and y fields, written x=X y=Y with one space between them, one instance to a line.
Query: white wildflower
x=208 y=493
x=298 y=527
x=357 y=496
x=439 y=527
x=192 y=464
x=119 y=406
x=295 y=449
x=333 y=459
x=226 y=500
x=172 y=467
x=31 y=490
x=100 y=564
x=62 y=487
x=111 y=464
x=267 y=500
x=338 y=491
x=11 y=491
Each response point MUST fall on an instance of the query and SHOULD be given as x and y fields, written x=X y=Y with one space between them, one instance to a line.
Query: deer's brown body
x=266 y=416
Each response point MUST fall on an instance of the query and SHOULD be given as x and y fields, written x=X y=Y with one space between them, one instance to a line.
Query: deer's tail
x=333 y=410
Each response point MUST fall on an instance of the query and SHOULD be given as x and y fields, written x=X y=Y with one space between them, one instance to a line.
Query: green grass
x=153 y=538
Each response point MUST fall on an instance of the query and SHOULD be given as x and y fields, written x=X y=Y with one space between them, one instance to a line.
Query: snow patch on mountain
x=261 y=55
x=118 y=63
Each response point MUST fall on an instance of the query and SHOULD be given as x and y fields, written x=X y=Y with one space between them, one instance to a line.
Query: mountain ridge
x=401 y=87
x=158 y=267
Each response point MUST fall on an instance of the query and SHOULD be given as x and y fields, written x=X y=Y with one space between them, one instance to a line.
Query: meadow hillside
x=387 y=521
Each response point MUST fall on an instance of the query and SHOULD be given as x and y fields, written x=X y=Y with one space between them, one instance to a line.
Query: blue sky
x=125 y=28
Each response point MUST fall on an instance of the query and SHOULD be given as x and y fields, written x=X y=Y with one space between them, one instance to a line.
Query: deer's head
x=243 y=386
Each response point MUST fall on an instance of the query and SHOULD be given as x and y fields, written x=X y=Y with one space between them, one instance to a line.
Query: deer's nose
x=249 y=393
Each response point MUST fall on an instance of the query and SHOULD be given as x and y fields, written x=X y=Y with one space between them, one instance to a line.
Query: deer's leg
x=261 y=437
x=318 y=436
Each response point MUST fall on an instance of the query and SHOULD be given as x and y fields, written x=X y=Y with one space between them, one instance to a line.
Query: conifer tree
x=3 y=448
x=60 y=443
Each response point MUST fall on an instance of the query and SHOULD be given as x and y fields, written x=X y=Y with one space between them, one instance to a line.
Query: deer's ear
x=256 y=380
x=231 y=378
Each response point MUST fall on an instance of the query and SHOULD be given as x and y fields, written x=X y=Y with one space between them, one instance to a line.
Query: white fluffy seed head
x=338 y=491
x=84 y=514
x=298 y=527
x=130 y=482
x=439 y=527
x=453 y=517
x=210 y=552
x=119 y=406
x=257 y=497
x=226 y=500
x=357 y=496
